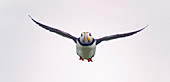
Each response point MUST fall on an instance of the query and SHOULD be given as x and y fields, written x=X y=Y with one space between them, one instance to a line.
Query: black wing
x=117 y=36
x=55 y=30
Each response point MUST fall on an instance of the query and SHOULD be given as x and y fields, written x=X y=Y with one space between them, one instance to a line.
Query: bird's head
x=86 y=38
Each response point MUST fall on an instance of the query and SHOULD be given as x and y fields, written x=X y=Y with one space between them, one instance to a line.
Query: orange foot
x=81 y=59
x=90 y=60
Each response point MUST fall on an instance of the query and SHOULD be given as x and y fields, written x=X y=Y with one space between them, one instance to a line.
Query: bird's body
x=86 y=52
x=86 y=44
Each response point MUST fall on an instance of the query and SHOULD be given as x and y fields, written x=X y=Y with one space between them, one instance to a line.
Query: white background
x=29 y=53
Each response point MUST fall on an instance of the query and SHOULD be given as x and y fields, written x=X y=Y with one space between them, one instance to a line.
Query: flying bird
x=85 y=44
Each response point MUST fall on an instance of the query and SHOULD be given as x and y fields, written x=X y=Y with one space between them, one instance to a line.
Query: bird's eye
x=89 y=34
x=81 y=34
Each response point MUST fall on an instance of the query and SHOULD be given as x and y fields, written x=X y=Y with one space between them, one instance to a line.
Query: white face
x=86 y=38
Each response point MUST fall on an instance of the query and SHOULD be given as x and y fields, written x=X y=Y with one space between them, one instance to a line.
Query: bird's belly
x=86 y=51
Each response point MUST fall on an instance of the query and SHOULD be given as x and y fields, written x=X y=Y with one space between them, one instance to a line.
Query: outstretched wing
x=62 y=33
x=106 y=38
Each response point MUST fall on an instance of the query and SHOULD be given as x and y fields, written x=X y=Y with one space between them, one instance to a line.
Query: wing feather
x=106 y=38
x=62 y=33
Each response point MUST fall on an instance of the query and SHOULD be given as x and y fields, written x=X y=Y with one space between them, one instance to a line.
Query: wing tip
x=30 y=17
x=146 y=26
x=143 y=28
x=34 y=20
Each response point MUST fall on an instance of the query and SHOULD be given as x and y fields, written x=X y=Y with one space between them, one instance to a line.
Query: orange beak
x=85 y=38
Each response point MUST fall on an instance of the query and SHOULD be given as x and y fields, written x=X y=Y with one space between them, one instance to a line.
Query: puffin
x=86 y=44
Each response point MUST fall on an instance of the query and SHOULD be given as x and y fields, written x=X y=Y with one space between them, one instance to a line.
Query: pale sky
x=29 y=53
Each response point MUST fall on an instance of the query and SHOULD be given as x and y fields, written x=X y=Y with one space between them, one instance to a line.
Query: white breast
x=86 y=51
